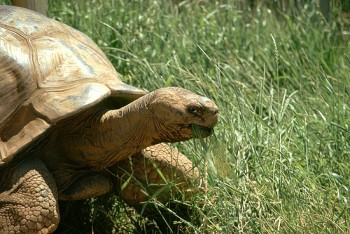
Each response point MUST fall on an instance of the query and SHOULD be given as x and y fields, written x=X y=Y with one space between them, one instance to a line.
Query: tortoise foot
x=28 y=198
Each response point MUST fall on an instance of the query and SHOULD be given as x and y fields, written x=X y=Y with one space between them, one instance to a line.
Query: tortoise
x=70 y=129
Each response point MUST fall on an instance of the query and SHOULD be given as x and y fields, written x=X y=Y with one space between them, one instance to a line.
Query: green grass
x=280 y=157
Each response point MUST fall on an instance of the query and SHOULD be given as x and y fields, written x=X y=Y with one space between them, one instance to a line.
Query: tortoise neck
x=114 y=135
x=131 y=124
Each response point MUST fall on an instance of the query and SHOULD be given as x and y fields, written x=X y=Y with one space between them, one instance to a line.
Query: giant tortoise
x=70 y=129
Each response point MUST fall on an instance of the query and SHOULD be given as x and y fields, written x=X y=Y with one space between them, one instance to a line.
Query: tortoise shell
x=48 y=72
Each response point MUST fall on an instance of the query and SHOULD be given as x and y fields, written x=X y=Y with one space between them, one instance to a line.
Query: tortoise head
x=179 y=114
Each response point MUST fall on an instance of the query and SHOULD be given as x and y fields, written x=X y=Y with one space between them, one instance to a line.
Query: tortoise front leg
x=28 y=198
x=86 y=186
x=158 y=171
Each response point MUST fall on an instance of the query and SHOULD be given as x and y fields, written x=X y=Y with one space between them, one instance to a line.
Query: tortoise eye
x=193 y=110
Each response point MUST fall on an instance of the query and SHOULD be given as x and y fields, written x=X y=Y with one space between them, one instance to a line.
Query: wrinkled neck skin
x=113 y=135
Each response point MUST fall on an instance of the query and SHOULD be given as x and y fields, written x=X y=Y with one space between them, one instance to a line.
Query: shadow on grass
x=111 y=215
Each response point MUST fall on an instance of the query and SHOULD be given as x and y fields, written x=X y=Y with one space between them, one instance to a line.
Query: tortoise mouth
x=201 y=131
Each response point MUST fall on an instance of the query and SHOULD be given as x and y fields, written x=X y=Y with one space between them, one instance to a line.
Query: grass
x=279 y=160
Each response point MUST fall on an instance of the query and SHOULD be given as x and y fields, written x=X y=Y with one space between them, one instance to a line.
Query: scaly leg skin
x=157 y=171
x=28 y=198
